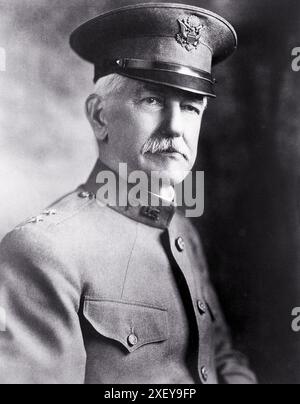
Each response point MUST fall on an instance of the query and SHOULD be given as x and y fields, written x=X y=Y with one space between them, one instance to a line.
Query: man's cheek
x=147 y=123
x=193 y=127
x=193 y=141
x=119 y=114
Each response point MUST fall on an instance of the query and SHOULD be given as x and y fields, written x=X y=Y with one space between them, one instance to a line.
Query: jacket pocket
x=133 y=325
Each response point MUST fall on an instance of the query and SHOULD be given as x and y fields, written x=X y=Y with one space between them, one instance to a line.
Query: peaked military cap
x=171 y=44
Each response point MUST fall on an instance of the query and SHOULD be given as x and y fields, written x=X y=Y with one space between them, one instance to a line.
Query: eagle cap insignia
x=191 y=29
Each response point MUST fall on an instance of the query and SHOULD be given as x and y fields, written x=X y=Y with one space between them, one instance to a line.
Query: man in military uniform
x=97 y=292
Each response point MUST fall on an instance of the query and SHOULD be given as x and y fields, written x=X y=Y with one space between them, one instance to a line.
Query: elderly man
x=99 y=292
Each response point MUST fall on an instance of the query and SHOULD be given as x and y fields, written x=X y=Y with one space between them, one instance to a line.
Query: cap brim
x=185 y=83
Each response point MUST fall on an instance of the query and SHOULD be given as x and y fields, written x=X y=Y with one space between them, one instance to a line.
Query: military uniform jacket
x=94 y=294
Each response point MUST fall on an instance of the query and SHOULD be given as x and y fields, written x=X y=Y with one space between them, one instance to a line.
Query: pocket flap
x=131 y=324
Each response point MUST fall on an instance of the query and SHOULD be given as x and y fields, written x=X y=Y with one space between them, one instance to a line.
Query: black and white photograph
x=150 y=194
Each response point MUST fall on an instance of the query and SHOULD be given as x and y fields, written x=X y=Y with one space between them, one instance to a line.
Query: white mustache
x=156 y=146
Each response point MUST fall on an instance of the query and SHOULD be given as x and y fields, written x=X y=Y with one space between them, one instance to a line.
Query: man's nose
x=174 y=120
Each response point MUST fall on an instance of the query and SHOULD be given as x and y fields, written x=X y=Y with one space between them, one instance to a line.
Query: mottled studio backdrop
x=250 y=152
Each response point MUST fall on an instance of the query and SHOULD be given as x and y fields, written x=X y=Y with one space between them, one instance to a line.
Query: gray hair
x=110 y=84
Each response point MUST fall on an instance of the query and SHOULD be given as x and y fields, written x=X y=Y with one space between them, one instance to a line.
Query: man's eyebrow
x=160 y=90
x=149 y=87
x=197 y=100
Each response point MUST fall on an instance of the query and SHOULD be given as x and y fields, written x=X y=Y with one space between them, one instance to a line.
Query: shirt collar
x=150 y=209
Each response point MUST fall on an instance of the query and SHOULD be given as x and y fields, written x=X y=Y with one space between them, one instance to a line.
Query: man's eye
x=191 y=108
x=153 y=101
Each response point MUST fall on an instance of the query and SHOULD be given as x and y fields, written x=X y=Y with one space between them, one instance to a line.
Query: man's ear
x=95 y=115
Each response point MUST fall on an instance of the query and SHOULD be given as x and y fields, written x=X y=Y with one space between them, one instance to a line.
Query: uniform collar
x=153 y=211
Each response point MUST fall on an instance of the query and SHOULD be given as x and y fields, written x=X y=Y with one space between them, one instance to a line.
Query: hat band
x=137 y=64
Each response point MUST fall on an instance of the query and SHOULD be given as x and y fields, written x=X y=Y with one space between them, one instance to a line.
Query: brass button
x=204 y=374
x=180 y=244
x=201 y=307
x=132 y=340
